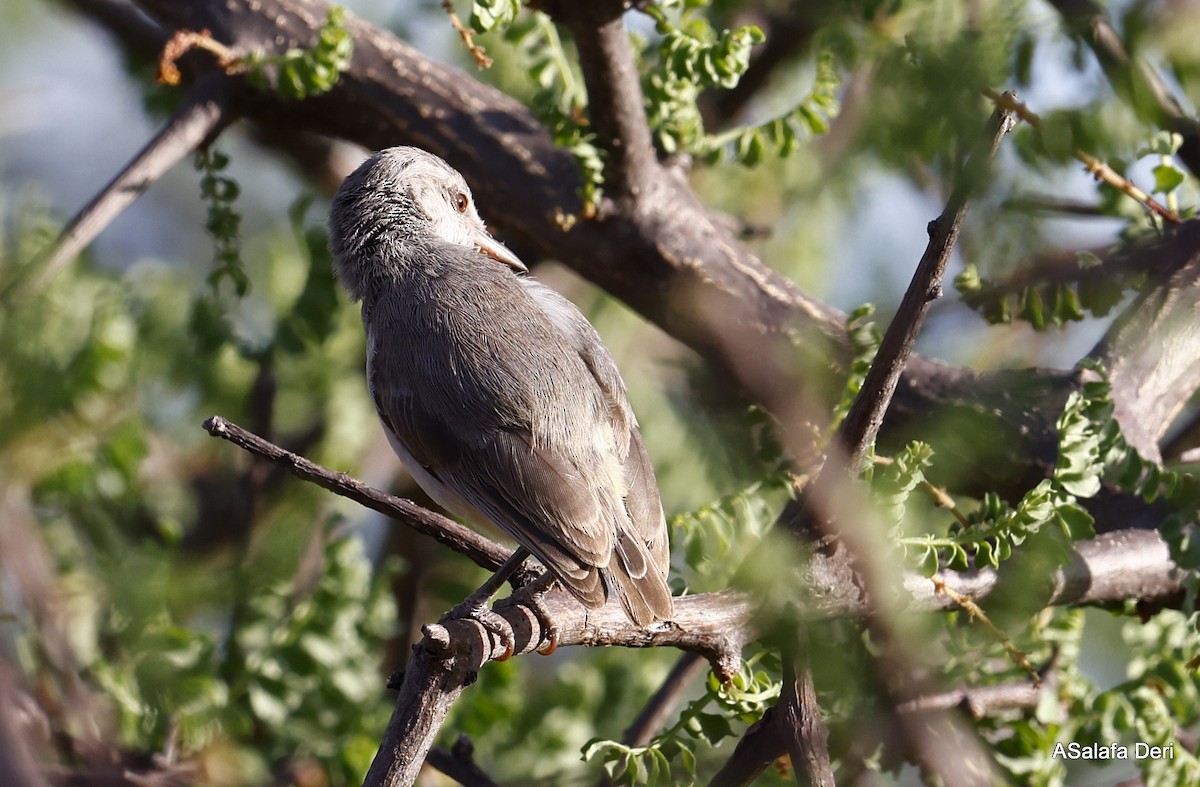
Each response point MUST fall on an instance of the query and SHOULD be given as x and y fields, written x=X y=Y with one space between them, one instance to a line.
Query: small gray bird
x=495 y=391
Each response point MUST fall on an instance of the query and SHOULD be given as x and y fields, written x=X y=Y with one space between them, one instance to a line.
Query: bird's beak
x=499 y=252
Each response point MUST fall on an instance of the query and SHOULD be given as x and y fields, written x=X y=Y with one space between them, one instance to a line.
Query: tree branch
x=828 y=513
x=203 y=113
x=859 y=429
x=615 y=102
x=1152 y=351
x=459 y=538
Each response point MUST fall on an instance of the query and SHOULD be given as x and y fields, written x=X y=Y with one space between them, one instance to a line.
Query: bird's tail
x=639 y=582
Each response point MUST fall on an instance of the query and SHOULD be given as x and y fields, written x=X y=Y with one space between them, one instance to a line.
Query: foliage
x=559 y=97
x=303 y=73
x=706 y=721
x=1094 y=286
x=224 y=223
x=864 y=343
x=239 y=669
x=298 y=678
x=1091 y=451
x=257 y=651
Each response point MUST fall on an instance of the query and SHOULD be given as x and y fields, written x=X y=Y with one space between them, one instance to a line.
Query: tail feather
x=643 y=592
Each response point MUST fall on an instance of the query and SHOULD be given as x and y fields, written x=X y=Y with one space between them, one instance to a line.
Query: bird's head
x=397 y=202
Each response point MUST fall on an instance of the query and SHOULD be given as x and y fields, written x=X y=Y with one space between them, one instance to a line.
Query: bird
x=495 y=392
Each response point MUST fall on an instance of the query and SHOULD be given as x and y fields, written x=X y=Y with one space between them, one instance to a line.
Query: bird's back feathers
x=539 y=440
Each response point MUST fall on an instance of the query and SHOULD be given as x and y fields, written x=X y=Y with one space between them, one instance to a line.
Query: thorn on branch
x=186 y=40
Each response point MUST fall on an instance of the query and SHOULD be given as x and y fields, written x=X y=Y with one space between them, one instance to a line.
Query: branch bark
x=1152 y=352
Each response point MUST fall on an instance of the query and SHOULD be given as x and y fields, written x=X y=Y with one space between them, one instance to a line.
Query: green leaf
x=1032 y=308
x=713 y=728
x=1167 y=178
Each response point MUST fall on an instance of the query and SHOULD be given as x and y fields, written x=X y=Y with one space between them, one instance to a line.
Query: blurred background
x=162 y=593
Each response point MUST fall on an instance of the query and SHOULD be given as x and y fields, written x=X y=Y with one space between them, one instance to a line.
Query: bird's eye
x=461 y=202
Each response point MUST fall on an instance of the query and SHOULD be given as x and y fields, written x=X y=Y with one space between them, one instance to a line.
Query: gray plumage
x=495 y=392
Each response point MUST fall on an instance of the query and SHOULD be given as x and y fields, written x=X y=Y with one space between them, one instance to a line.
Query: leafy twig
x=1092 y=165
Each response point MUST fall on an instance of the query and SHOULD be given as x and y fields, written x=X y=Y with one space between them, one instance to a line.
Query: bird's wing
x=642 y=501
x=493 y=434
x=582 y=337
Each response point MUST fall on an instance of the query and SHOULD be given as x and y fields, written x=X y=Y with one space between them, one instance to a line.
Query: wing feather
x=512 y=413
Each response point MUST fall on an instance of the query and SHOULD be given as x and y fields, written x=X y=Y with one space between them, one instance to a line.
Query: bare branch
x=981 y=701
x=204 y=112
x=800 y=715
x=858 y=431
x=459 y=538
x=1114 y=567
x=430 y=687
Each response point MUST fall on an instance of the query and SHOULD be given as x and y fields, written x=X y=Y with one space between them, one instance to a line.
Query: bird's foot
x=477 y=609
x=533 y=592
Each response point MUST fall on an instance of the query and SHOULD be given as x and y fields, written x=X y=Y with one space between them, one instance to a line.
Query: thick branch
x=669 y=260
x=1152 y=352
x=431 y=685
x=453 y=652
x=615 y=102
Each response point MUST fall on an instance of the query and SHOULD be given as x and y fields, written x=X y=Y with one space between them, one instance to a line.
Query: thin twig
x=828 y=508
x=183 y=42
x=459 y=538
x=1092 y=165
x=1019 y=657
x=857 y=432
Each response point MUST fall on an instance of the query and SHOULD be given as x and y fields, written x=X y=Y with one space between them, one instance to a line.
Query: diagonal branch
x=1151 y=352
x=828 y=513
x=459 y=538
x=859 y=429
x=203 y=113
